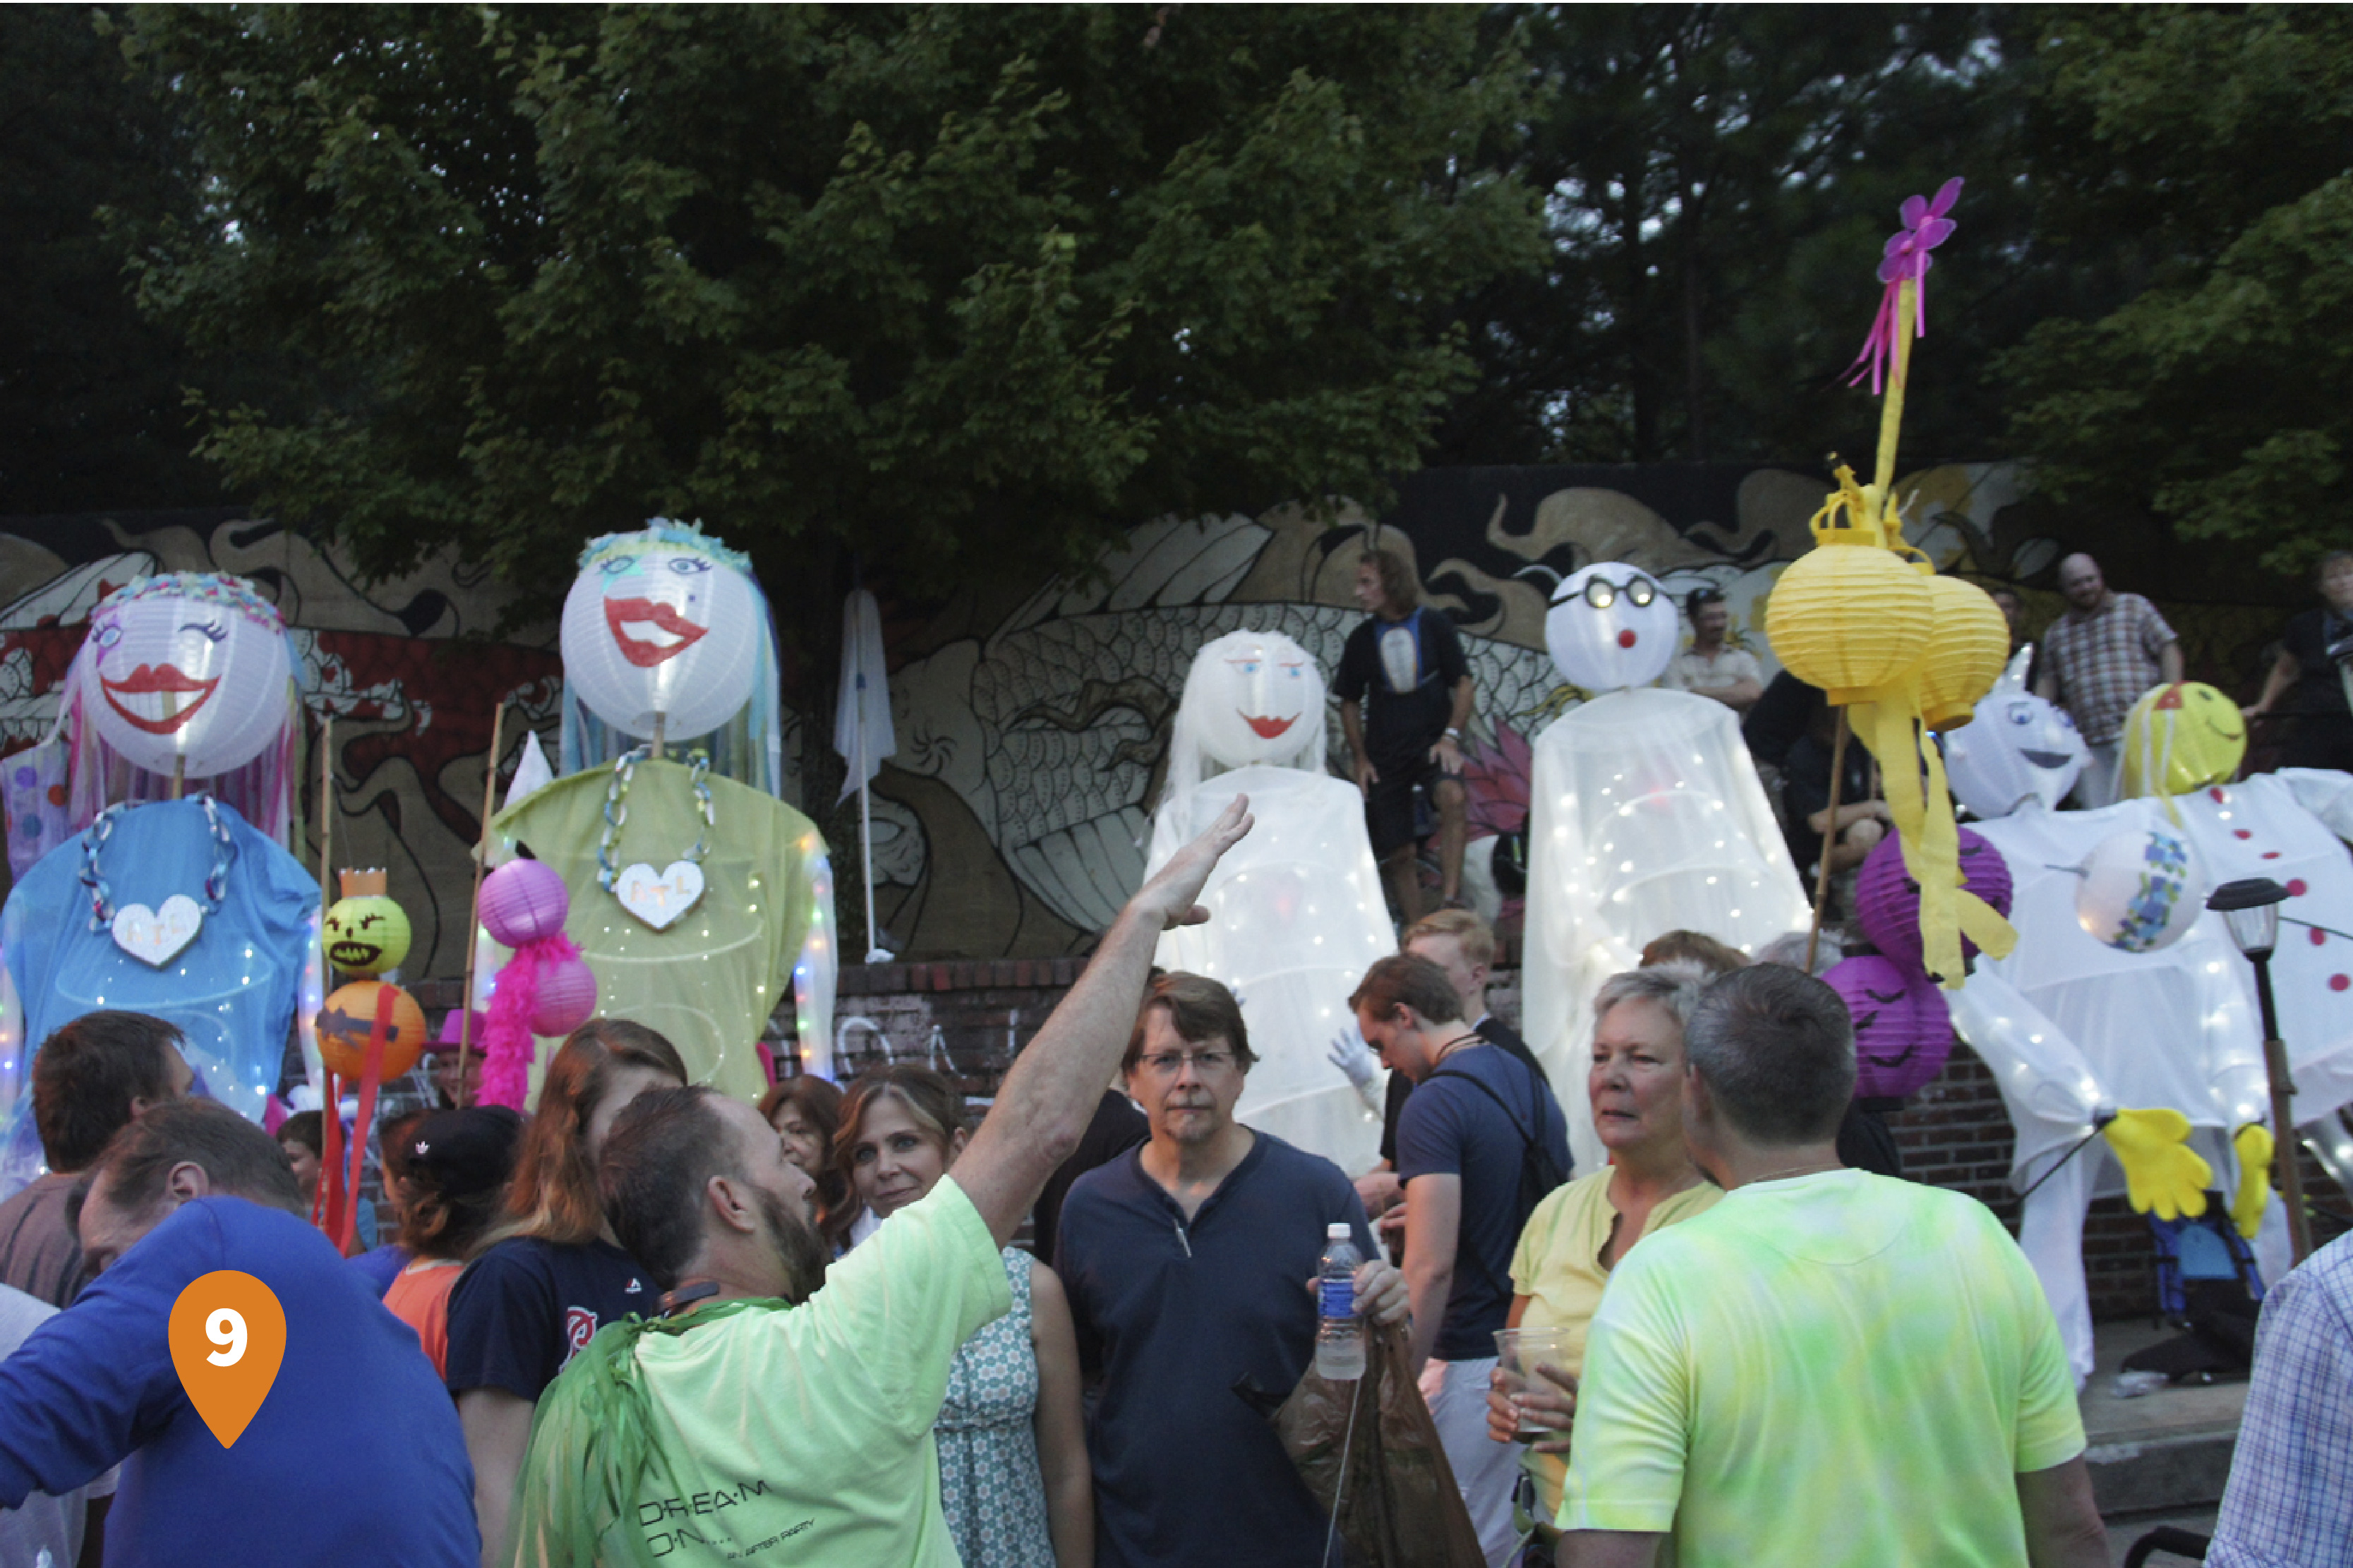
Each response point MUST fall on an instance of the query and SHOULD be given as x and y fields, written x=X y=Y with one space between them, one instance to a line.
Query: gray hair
x=1775 y=1047
x=1790 y=950
x=1674 y=986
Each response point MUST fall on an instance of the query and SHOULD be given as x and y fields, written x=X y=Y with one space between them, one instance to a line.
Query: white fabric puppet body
x=1645 y=815
x=1296 y=909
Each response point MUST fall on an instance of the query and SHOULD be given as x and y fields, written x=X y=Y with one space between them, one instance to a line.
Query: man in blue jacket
x=355 y=1456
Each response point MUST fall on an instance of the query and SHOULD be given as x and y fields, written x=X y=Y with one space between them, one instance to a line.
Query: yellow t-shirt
x=1557 y=1266
x=1836 y=1370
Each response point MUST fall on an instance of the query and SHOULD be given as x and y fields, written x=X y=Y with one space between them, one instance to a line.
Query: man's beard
x=800 y=1252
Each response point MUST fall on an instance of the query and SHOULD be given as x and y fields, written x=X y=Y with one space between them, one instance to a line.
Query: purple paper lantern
x=524 y=901
x=1887 y=900
x=1903 y=1030
x=566 y=997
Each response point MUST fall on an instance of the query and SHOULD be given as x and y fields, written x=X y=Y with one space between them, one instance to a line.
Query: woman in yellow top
x=1578 y=1235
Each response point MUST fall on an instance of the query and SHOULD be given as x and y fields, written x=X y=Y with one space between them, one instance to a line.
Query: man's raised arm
x=1047 y=1100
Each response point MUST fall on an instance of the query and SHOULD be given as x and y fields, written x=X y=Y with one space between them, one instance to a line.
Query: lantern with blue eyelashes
x=186 y=673
x=663 y=631
x=2020 y=749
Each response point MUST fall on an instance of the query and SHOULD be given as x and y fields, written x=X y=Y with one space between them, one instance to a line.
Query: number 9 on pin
x=227 y=1334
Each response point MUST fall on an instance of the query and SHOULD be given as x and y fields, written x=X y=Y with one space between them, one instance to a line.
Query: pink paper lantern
x=1887 y=902
x=1902 y=1029
x=566 y=997
x=524 y=901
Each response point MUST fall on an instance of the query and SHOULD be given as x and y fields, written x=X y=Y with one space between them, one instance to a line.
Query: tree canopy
x=956 y=288
x=2206 y=150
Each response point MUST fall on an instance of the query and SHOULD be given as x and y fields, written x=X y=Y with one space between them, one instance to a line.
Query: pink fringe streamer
x=507 y=1045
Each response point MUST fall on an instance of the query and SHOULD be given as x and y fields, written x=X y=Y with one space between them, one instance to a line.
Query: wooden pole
x=326 y=829
x=179 y=775
x=2285 y=1144
x=661 y=724
x=474 y=910
x=1830 y=839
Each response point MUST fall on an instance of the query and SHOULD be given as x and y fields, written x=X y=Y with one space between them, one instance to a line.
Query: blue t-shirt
x=354 y=1398
x=523 y=1309
x=1451 y=1128
x=1173 y=1315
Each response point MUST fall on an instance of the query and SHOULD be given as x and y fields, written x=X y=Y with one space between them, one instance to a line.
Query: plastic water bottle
x=1339 y=1332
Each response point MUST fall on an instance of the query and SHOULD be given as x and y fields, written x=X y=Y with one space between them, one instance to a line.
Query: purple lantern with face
x=1903 y=1030
x=1887 y=900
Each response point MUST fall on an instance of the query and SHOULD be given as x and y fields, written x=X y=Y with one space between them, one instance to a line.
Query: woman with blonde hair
x=1014 y=1477
x=1579 y=1233
x=547 y=1277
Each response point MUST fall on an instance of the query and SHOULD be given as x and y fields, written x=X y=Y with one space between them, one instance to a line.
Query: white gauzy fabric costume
x=1296 y=911
x=1645 y=815
x=2072 y=1027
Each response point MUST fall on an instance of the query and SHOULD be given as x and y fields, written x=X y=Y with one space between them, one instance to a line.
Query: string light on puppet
x=1901 y=652
x=198 y=914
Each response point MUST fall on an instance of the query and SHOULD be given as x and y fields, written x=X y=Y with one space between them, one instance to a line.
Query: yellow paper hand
x=2162 y=1173
x=2253 y=1144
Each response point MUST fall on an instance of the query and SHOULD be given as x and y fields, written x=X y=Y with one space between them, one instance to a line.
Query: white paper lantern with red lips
x=1254 y=697
x=189 y=670
x=656 y=629
x=1602 y=639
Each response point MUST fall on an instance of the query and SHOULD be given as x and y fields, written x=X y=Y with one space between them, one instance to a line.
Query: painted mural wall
x=1031 y=727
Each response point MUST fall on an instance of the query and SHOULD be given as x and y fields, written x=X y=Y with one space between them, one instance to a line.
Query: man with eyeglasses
x=1186 y=1262
x=1405 y=660
x=1712 y=668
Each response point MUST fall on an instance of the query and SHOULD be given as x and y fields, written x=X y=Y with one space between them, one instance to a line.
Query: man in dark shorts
x=1409 y=738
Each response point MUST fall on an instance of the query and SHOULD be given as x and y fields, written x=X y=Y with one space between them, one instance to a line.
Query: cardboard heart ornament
x=659 y=898
x=155 y=937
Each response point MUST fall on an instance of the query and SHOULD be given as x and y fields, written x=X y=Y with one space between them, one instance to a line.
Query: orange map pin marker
x=228 y=1335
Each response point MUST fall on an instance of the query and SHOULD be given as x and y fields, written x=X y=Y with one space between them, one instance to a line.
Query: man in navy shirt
x=355 y=1456
x=1187 y=1262
x=1478 y=1121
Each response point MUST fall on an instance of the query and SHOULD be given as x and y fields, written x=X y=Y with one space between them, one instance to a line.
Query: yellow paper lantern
x=1968 y=643
x=2180 y=738
x=1849 y=617
x=348 y=1019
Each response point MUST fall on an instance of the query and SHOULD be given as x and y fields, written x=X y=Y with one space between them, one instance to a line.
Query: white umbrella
x=863 y=732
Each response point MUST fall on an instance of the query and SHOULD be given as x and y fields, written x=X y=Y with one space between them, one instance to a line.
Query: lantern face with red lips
x=1611 y=626
x=1254 y=697
x=188 y=669
x=662 y=627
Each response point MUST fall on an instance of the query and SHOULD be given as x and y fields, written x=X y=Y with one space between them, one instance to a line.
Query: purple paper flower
x=1926 y=227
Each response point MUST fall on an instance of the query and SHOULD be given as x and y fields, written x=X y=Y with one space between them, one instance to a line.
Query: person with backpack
x=1483 y=1141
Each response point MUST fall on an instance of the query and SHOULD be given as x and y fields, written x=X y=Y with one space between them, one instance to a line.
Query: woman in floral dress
x=1014 y=1477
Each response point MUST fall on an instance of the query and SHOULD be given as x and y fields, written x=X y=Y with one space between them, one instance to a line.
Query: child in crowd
x=448 y=1176
x=303 y=1138
x=1013 y=1476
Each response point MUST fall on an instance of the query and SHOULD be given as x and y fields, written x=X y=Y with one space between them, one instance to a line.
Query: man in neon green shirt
x=742 y=1429
x=1828 y=1366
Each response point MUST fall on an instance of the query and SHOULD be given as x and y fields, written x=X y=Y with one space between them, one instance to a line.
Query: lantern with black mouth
x=365 y=933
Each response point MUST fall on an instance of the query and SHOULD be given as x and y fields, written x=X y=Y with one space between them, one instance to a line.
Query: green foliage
x=965 y=290
x=2214 y=386
x=90 y=414
x=1718 y=182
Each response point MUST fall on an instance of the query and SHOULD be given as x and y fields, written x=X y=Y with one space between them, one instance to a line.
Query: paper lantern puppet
x=366 y=933
x=1887 y=900
x=349 y=1019
x=2179 y=738
x=185 y=675
x=178 y=909
x=2020 y=748
x=1645 y=815
x=1611 y=626
x=666 y=631
x=2079 y=1031
x=1297 y=914
x=545 y=989
x=2140 y=888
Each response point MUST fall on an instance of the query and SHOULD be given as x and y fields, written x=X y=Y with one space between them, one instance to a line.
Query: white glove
x=1353 y=1057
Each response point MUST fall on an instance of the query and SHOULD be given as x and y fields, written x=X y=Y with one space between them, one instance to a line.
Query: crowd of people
x=650 y=1322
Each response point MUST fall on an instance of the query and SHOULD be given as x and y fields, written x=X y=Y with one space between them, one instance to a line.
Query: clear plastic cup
x=1518 y=1354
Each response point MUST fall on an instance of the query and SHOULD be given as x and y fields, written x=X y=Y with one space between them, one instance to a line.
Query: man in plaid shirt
x=2290 y=1500
x=2099 y=658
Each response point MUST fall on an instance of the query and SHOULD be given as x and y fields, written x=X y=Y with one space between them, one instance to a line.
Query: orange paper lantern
x=346 y=1021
